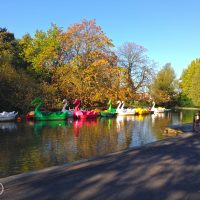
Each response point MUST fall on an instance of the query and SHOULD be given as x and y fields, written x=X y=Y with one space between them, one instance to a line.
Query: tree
x=87 y=43
x=190 y=82
x=17 y=88
x=90 y=71
x=195 y=89
x=163 y=87
x=10 y=49
x=139 y=68
x=44 y=52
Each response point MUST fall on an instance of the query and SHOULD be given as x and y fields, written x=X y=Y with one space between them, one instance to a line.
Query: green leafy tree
x=10 y=49
x=17 y=89
x=190 y=82
x=16 y=86
x=195 y=89
x=44 y=52
x=163 y=88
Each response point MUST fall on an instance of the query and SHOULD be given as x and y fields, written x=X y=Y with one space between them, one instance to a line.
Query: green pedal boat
x=41 y=116
x=110 y=112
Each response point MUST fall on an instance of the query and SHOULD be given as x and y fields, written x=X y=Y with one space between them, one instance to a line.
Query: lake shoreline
x=186 y=108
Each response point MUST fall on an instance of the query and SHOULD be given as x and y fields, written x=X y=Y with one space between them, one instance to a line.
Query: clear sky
x=169 y=29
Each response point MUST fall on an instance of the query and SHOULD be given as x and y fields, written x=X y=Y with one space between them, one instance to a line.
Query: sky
x=168 y=29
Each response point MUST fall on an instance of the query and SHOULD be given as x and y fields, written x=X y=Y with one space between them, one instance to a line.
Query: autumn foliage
x=79 y=62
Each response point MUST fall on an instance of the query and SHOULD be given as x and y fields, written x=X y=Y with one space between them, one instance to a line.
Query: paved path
x=165 y=170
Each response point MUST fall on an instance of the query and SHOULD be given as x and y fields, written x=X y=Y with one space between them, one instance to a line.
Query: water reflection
x=156 y=116
x=36 y=145
x=79 y=123
x=8 y=126
x=40 y=125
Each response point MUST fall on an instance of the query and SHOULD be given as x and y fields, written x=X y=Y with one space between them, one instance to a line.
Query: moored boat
x=107 y=114
x=82 y=114
x=38 y=115
x=141 y=111
x=69 y=112
x=8 y=116
x=121 y=111
x=30 y=115
x=110 y=112
x=157 y=110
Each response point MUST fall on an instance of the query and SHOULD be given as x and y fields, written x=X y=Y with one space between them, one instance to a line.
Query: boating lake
x=28 y=146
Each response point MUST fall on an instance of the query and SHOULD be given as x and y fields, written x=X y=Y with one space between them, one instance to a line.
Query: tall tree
x=139 y=68
x=195 y=89
x=45 y=51
x=87 y=43
x=190 y=81
x=163 y=87
x=16 y=87
x=90 y=71
x=9 y=49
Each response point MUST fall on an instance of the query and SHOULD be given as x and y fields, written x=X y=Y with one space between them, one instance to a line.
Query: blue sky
x=169 y=29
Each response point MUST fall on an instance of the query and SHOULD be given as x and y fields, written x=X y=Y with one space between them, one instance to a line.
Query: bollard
x=196 y=121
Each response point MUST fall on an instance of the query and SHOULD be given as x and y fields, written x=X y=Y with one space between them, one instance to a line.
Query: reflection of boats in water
x=139 y=117
x=126 y=118
x=79 y=123
x=39 y=125
x=8 y=125
x=51 y=123
x=157 y=116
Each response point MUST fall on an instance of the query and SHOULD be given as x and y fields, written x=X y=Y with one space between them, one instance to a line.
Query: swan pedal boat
x=8 y=116
x=106 y=113
x=30 y=115
x=157 y=110
x=38 y=115
x=141 y=111
x=83 y=114
x=124 y=112
x=69 y=112
x=110 y=112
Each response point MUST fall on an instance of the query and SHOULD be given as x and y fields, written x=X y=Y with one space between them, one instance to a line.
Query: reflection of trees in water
x=24 y=150
x=187 y=115
x=58 y=144
x=136 y=130
x=39 y=125
x=159 y=122
x=16 y=151
x=98 y=139
x=181 y=116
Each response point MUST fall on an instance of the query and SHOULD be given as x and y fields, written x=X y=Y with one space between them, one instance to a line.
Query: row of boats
x=65 y=113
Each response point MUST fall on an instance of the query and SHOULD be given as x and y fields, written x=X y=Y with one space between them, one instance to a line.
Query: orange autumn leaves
x=78 y=63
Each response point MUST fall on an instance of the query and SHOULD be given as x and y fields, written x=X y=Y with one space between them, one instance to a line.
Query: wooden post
x=196 y=120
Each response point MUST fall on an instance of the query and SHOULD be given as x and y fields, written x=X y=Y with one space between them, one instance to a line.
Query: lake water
x=28 y=146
